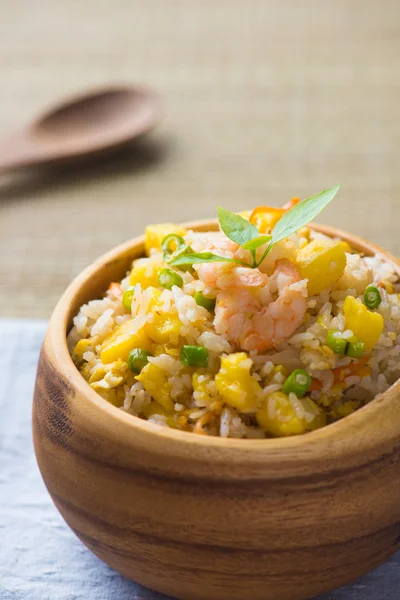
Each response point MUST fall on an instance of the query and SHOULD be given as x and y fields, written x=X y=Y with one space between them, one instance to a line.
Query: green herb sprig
x=244 y=233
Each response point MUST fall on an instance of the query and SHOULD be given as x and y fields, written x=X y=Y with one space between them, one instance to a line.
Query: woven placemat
x=264 y=100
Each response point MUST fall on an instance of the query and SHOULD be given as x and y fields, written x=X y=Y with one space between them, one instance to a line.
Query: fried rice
x=301 y=309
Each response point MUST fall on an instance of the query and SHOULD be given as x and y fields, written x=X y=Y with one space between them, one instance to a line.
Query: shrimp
x=253 y=320
x=224 y=275
x=213 y=241
x=247 y=310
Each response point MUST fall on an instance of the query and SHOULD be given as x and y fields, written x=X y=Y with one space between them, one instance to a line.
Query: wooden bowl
x=200 y=517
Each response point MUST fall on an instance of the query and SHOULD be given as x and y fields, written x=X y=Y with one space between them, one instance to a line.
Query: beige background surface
x=265 y=99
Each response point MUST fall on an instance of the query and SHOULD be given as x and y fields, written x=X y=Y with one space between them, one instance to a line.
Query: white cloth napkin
x=40 y=558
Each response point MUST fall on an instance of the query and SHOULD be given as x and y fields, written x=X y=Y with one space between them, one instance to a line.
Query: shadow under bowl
x=200 y=517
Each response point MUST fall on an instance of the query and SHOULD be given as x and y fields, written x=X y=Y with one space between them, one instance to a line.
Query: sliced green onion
x=171 y=244
x=194 y=356
x=174 y=245
x=355 y=349
x=372 y=297
x=137 y=359
x=201 y=300
x=336 y=342
x=168 y=278
x=127 y=298
x=298 y=383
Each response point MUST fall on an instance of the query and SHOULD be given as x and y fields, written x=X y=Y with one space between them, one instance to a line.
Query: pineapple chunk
x=154 y=235
x=366 y=325
x=235 y=384
x=122 y=340
x=145 y=271
x=164 y=329
x=155 y=382
x=322 y=262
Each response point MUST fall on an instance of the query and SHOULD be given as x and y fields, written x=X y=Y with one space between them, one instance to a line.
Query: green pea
x=298 y=383
x=127 y=298
x=201 y=300
x=137 y=359
x=372 y=297
x=355 y=349
x=335 y=342
x=194 y=356
x=168 y=278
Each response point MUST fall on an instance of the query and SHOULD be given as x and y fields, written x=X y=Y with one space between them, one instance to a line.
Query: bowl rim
x=57 y=330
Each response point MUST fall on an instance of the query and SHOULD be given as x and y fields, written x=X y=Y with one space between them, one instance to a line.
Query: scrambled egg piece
x=121 y=341
x=278 y=416
x=155 y=382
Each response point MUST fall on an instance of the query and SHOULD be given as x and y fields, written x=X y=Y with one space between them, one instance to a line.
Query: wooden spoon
x=82 y=125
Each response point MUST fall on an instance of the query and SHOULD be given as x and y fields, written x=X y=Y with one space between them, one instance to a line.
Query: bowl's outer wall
x=214 y=519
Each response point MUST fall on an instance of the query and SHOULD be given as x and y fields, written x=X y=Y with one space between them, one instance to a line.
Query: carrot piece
x=387 y=286
x=364 y=371
x=340 y=373
x=207 y=418
x=352 y=369
x=273 y=209
x=316 y=385
x=291 y=203
x=265 y=209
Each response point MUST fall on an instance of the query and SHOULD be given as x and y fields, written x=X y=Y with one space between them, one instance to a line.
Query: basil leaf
x=301 y=214
x=256 y=242
x=235 y=227
x=201 y=257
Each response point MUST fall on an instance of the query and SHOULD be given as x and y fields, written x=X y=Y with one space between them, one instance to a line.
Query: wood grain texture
x=265 y=100
x=198 y=517
x=42 y=559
